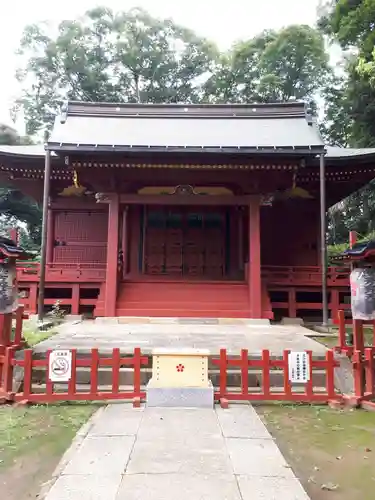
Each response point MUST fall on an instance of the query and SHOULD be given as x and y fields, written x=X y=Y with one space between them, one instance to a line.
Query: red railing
x=52 y=392
x=304 y=275
x=62 y=271
x=273 y=275
x=265 y=389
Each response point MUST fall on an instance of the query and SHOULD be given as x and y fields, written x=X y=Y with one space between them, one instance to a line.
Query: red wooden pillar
x=112 y=257
x=50 y=236
x=125 y=243
x=254 y=270
x=75 y=299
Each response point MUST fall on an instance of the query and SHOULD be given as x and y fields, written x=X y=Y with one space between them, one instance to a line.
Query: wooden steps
x=184 y=299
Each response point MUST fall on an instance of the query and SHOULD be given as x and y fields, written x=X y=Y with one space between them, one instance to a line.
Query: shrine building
x=204 y=211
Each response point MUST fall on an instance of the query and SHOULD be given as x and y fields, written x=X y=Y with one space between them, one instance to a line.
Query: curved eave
x=255 y=150
x=349 y=156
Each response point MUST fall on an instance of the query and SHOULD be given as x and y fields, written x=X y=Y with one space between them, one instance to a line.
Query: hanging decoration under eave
x=75 y=189
x=296 y=191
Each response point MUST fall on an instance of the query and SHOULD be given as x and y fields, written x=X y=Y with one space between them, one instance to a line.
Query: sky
x=224 y=23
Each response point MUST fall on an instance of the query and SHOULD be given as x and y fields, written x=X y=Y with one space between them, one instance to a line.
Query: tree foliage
x=350 y=104
x=14 y=206
x=133 y=57
x=272 y=67
x=103 y=57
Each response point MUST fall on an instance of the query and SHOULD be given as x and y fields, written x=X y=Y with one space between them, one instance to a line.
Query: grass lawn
x=33 y=336
x=331 y=341
x=32 y=441
x=326 y=448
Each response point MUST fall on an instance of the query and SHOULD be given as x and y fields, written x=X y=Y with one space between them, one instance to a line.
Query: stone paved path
x=149 y=336
x=184 y=454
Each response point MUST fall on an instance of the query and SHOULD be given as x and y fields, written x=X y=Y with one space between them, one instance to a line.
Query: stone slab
x=257 y=457
x=88 y=487
x=178 y=486
x=180 y=397
x=241 y=421
x=118 y=420
x=178 y=424
x=207 y=455
x=271 y=488
x=101 y=456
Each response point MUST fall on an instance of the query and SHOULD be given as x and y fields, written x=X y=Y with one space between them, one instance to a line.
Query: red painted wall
x=289 y=234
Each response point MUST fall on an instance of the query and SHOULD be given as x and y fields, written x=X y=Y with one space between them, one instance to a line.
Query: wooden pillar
x=292 y=303
x=43 y=249
x=33 y=298
x=50 y=235
x=335 y=304
x=112 y=257
x=125 y=242
x=254 y=270
x=75 y=299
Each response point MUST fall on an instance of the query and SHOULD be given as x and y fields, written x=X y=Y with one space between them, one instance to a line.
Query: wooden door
x=181 y=241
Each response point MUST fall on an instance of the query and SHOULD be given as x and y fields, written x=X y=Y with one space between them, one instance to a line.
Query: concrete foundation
x=292 y=321
x=179 y=397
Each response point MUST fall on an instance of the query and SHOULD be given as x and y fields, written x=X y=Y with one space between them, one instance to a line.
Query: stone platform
x=152 y=333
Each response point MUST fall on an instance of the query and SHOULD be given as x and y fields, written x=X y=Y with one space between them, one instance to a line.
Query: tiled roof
x=255 y=128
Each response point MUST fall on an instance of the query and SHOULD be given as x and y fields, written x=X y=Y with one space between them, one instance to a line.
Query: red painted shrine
x=185 y=210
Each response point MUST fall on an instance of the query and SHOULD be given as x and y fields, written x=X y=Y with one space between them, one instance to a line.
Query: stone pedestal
x=179 y=397
x=180 y=379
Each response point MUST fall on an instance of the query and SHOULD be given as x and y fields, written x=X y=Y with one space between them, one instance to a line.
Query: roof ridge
x=269 y=110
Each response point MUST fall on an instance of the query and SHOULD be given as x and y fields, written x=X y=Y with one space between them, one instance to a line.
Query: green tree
x=14 y=206
x=351 y=24
x=274 y=66
x=103 y=56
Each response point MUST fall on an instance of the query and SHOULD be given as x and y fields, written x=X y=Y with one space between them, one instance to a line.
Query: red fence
x=6 y=327
x=51 y=392
x=357 y=334
x=266 y=390
x=362 y=358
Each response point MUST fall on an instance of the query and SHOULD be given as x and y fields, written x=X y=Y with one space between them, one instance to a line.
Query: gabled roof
x=254 y=128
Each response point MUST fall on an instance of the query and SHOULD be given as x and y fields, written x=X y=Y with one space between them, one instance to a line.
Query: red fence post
x=137 y=377
x=266 y=374
x=7 y=375
x=358 y=338
x=358 y=375
x=223 y=362
x=370 y=371
x=5 y=329
x=244 y=372
x=342 y=331
x=17 y=341
x=330 y=375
